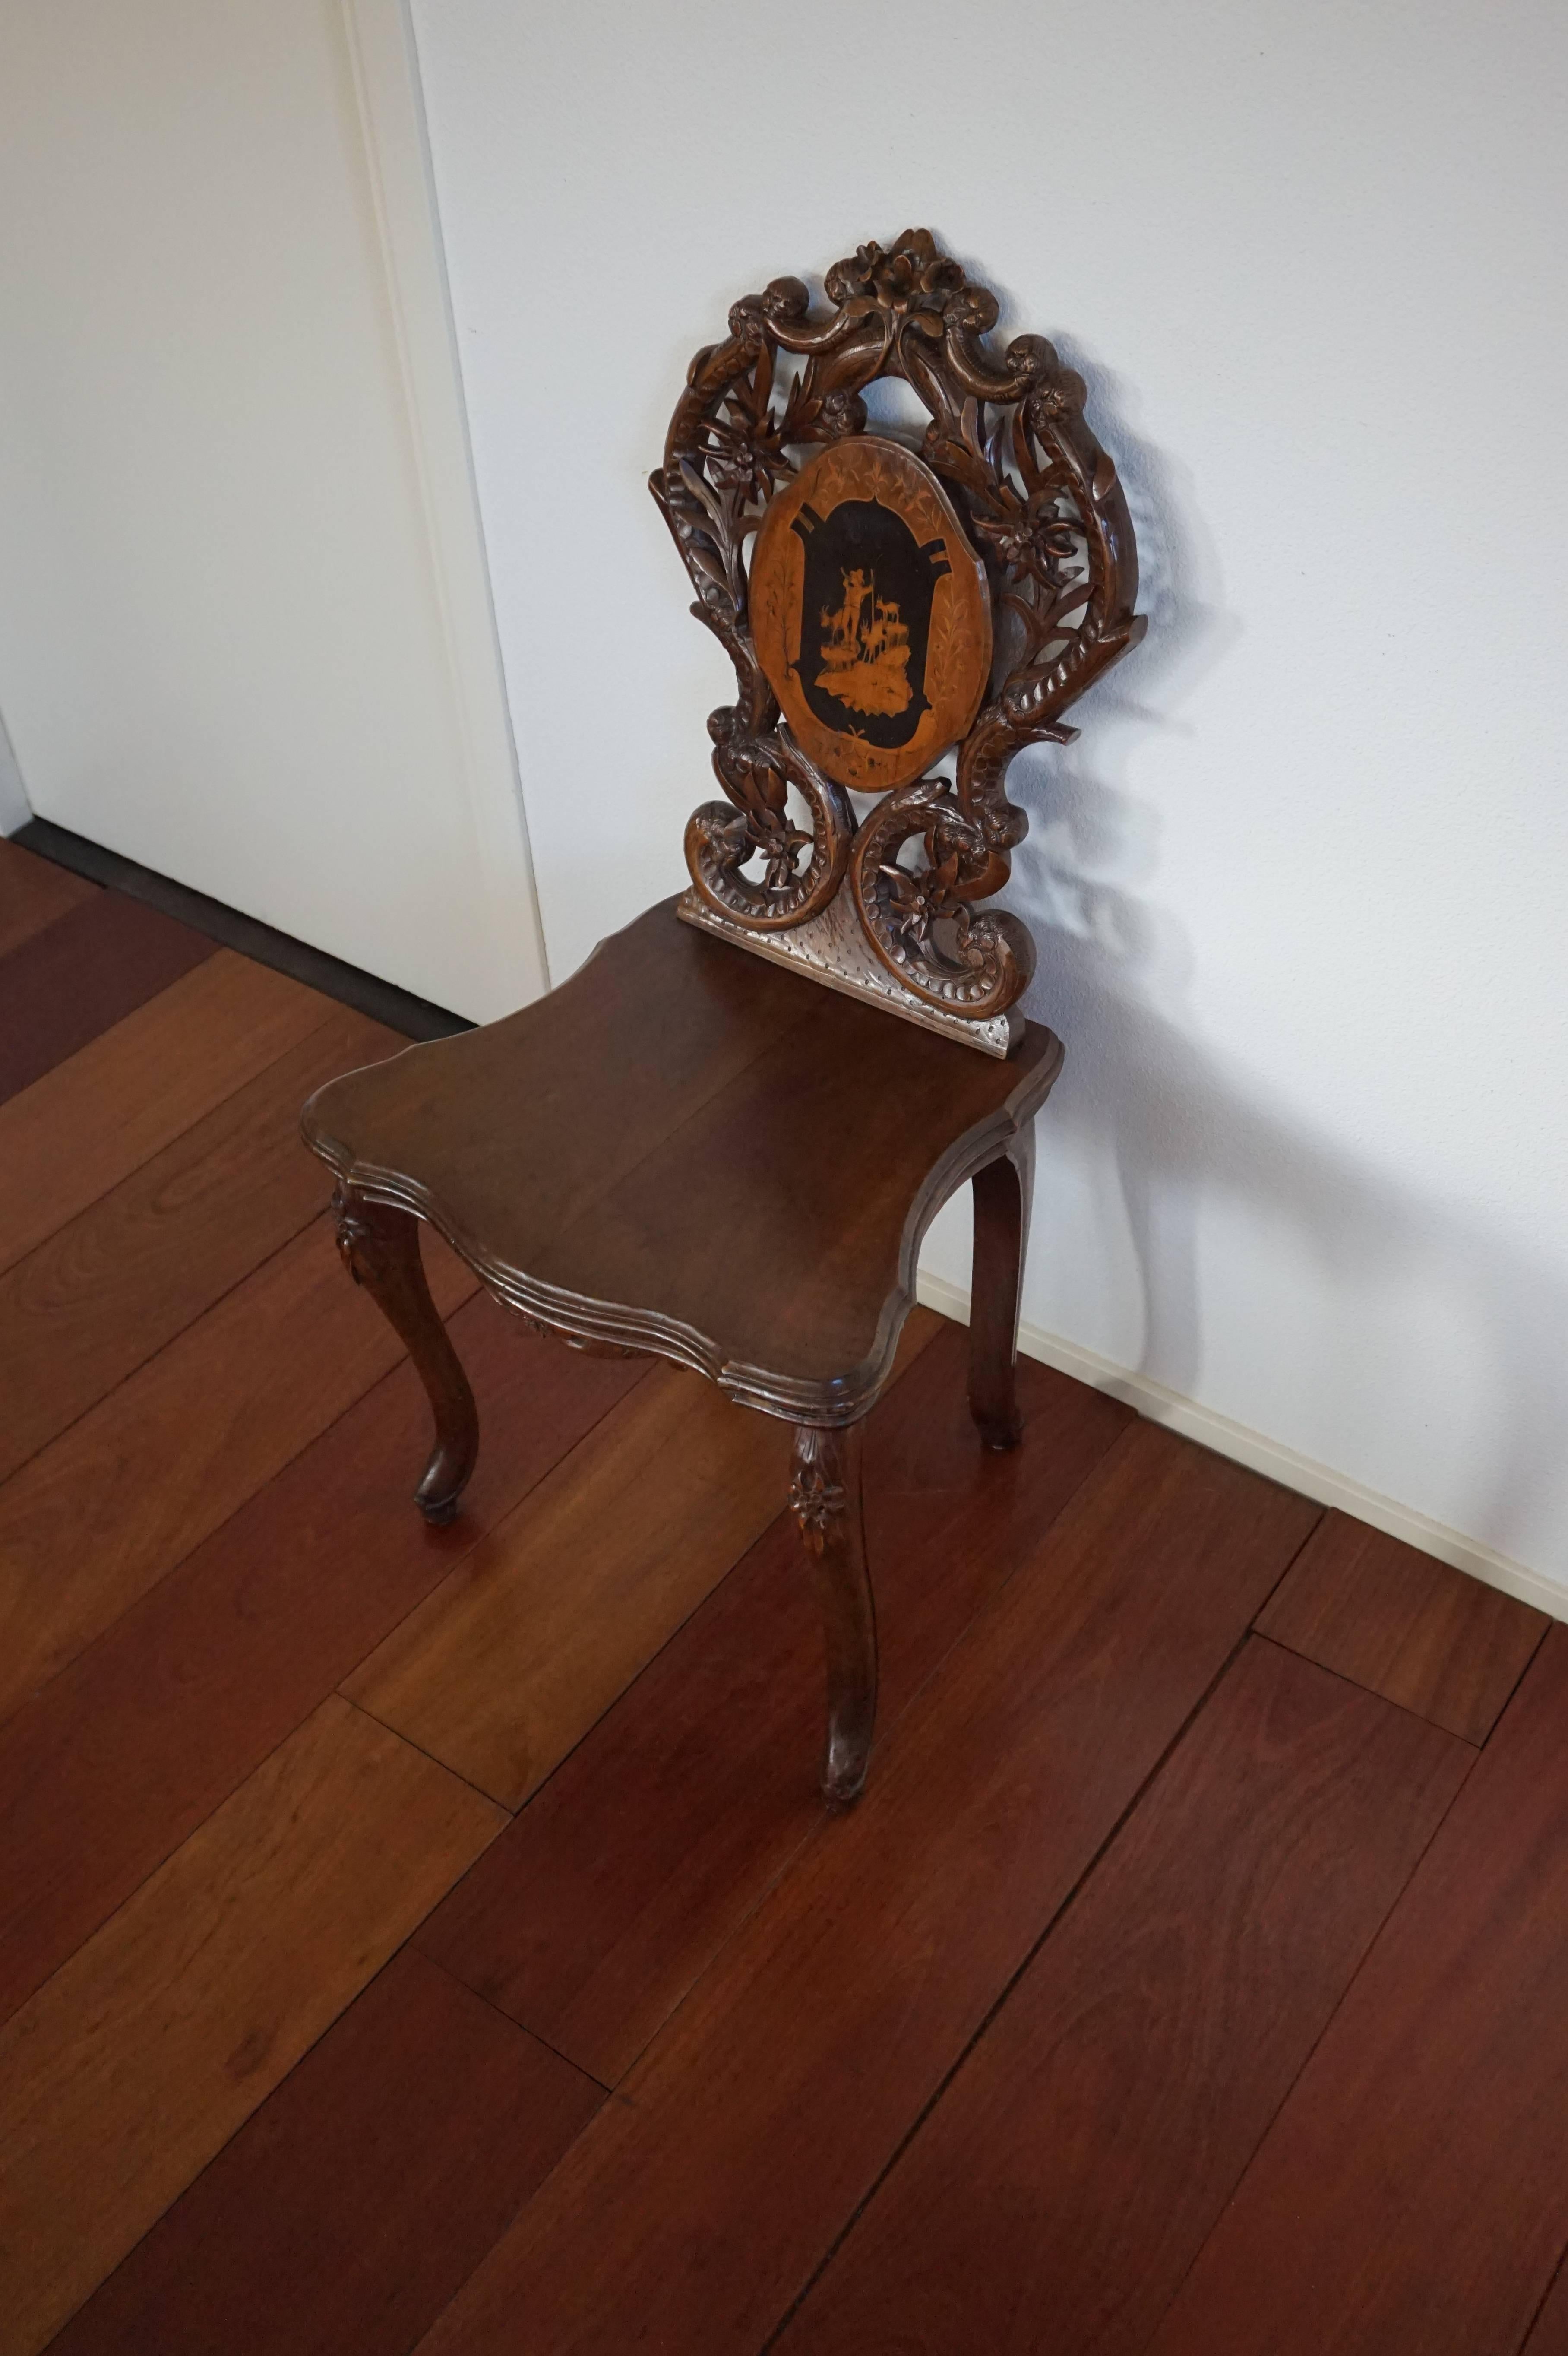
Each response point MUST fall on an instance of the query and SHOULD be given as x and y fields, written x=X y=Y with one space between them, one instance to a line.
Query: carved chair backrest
x=894 y=606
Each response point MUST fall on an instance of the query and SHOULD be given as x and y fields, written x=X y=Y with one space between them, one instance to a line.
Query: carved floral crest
x=1044 y=513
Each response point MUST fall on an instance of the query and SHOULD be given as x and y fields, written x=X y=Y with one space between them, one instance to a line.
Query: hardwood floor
x=433 y=1939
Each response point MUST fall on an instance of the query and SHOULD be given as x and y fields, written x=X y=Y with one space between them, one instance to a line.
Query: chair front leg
x=380 y=1249
x=824 y=1498
x=1003 y=1190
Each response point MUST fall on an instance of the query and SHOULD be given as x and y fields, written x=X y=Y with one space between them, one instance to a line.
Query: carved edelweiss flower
x=779 y=845
x=917 y=900
x=1058 y=397
x=740 y=455
x=1032 y=541
x=816 y=1501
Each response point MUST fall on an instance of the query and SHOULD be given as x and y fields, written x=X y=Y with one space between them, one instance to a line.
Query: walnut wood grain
x=592 y=1915
x=82 y=973
x=1069 y=2175
x=692 y=2210
x=1412 y=2191
x=151 y=1728
x=136 y=2063
x=90 y=1122
x=1406 y=1626
x=103 y=1294
x=33 y=892
x=102 y=1513
x=1008 y=460
x=585 y=1154
x=348 y=2209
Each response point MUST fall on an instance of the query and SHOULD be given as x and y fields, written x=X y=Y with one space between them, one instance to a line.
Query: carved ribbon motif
x=1041 y=501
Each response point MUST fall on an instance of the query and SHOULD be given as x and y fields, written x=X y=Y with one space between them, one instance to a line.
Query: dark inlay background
x=864 y=619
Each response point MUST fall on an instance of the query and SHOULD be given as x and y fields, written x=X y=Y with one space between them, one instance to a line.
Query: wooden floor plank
x=1404 y=1626
x=138 y=2061
x=113 y=1503
x=33 y=892
x=82 y=973
x=345 y=2213
x=693 y=2209
x=101 y=1295
x=598 y=1908
x=139 y=1740
x=1549 y=2336
x=1413 y=2190
x=87 y=1124
x=1065 y=2182
x=516 y=1654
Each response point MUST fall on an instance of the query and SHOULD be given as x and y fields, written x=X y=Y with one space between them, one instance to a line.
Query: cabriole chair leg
x=824 y=1498
x=380 y=1249
x=1003 y=1190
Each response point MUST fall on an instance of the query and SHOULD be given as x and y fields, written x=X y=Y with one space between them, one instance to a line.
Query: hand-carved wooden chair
x=693 y=1147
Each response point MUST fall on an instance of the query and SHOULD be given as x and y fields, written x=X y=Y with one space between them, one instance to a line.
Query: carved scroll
x=1024 y=478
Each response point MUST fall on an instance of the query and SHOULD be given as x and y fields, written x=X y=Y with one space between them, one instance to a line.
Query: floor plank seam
x=164 y=1144
x=1341 y=1676
x=701 y=1605
x=825 y=1816
x=1422 y=1655
x=1057 y=1916
x=216 y=2158
x=1524 y=2338
x=168 y=1343
x=178 y=1562
x=1508 y=1697
x=446 y=1765
x=510 y=2019
x=1289 y=1567
x=1305 y=2062
x=480 y=1534
x=255 y=1767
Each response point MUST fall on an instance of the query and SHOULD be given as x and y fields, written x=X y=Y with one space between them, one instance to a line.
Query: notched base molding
x=832 y=949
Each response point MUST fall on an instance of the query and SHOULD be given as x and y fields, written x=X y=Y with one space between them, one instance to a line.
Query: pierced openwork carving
x=1011 y=489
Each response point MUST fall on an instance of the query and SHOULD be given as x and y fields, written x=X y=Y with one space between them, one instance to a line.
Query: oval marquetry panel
x=870 y=614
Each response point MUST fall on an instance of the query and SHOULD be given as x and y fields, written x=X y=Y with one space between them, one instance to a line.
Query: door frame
x=389 y=97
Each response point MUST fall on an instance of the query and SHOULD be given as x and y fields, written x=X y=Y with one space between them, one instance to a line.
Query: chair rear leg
x=380 y=1249
x=1003 y=1190
x=824 y=1498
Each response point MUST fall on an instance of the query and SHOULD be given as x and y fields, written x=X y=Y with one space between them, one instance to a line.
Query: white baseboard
x=1266 y=1456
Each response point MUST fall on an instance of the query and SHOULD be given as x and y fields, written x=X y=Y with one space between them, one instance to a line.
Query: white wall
x=1299 y=889
x=241 y=637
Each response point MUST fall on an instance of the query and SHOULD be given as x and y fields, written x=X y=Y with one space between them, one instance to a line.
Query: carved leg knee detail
x=380 y=1249
x=824 y=1498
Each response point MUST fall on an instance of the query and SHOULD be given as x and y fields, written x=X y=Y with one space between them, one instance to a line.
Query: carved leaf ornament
x=894 y=605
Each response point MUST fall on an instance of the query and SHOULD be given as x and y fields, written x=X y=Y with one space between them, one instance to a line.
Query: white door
x=245 y=629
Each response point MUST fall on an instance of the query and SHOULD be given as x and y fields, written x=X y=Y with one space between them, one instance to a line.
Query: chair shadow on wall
x=1113 y=973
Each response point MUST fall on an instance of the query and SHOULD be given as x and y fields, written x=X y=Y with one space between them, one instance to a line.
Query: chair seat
x=689 y=1150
